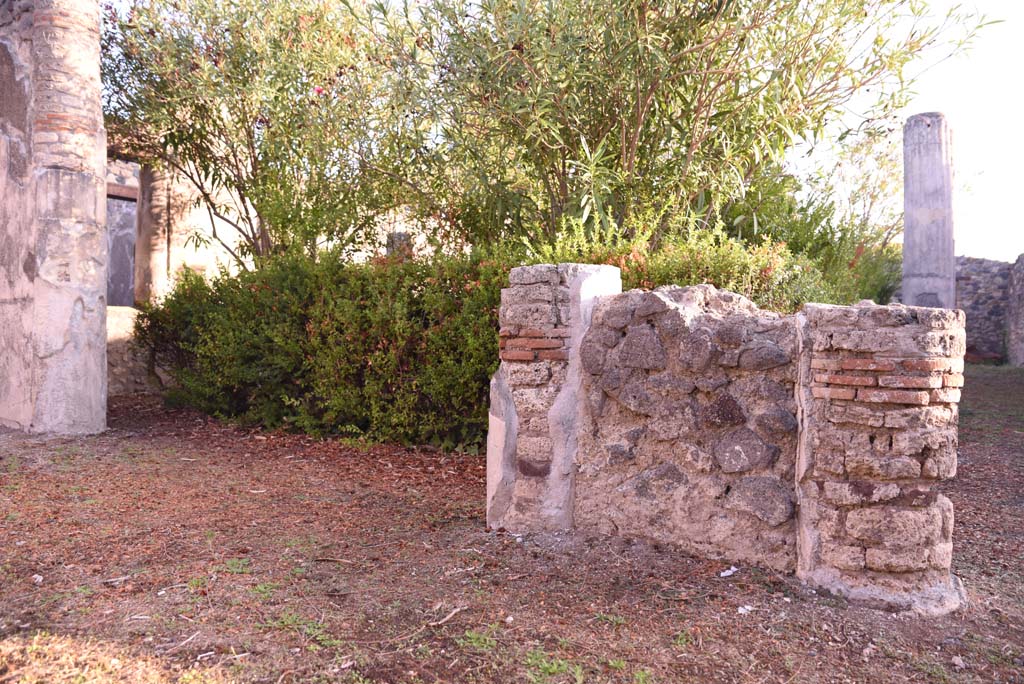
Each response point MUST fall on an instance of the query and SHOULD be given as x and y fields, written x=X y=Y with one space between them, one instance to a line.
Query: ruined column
x=536 y=392
x=878 y=394
x=929 y=263
x=53 y=255
x=1015 y=314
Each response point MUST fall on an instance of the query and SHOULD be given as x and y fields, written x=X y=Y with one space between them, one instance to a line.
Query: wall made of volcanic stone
x=1015 y=314
x=810 y=442
x=981 y=293
x=690 y=431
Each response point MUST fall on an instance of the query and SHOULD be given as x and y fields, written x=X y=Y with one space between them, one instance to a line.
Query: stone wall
x=128 y=368
x=53 y=262
x=690 y=430
x=1015 y=314
x=169 y=215
x=532 y=437
x=981 y=292
x=807 y=443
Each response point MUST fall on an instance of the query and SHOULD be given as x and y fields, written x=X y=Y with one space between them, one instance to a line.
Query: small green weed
x=264 y=590
x=310 y=629
x=541 y=667
x=610 y=618
x=481 y=641
x=683 y=639
x=238 y=566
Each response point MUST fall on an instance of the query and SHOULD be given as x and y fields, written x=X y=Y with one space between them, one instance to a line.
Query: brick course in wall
x=807 y=443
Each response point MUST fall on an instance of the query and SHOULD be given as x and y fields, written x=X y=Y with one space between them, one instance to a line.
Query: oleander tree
x=599 y=110
x=279 y=112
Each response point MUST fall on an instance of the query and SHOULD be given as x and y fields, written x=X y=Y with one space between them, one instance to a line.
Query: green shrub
x=766 y=272
x=398 y=351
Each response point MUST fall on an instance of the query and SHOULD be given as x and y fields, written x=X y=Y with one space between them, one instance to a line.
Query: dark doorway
x=121 y=231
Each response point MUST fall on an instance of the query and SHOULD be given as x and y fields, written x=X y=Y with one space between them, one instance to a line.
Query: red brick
x=840 y=379
x=534 y=343
x=833 y=392
x=502 y=342
x=869 y=364
x=945 y=396
x=544 y=332
x=509 y=332
x=819 y=363
x=926 y=364
x=910 y=381
x=893 y=396
x=953 y=380
x=553 y=355
x=517 y=355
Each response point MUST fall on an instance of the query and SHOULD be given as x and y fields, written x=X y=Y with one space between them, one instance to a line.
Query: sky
x=981 y=93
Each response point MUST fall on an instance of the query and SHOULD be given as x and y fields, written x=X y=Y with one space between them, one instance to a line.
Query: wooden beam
x=125 y=192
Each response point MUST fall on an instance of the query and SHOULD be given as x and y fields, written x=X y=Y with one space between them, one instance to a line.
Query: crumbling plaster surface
x=52 y=215
x=808 y=443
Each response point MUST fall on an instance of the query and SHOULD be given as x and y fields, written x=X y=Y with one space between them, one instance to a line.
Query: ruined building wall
x=52 y=218
x=808 y=443
x=169 y=215
x=1015 y=314
x=981 y=293
x=690 y=432
x=878 y=393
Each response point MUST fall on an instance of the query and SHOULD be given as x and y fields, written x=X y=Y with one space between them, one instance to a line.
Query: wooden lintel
x=126 y=192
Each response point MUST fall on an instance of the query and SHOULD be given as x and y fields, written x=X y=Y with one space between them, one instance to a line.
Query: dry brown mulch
x=179 y=548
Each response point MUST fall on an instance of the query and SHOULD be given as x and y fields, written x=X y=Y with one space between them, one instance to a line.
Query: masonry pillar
x=878 y=394
x=536 y=393
x=53 y=252
x=929 y=264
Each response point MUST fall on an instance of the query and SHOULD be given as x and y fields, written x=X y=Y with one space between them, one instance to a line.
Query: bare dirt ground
x=178 y=548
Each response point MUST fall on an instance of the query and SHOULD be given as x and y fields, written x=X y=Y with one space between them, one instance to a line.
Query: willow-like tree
x=598 y=109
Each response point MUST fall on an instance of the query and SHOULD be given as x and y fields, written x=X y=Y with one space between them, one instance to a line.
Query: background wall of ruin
x=982 y=294
x=53 y=246
x=1015 y=314
x=807 y=443
x=169 y=215
x=129 y=370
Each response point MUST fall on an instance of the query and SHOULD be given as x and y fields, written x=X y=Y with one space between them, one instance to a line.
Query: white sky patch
x=981 y=95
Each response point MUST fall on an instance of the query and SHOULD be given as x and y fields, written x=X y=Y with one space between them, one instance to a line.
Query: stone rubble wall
x=981 y=293
x=808 y=443
x=878 y=393
x=690 y=431
x=1015 y=314
x=128 y=366
x=53 y=255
